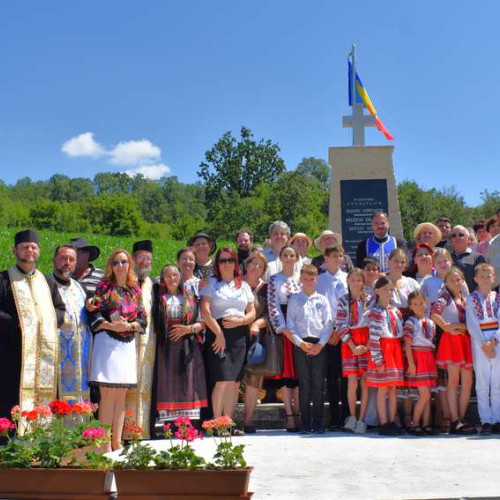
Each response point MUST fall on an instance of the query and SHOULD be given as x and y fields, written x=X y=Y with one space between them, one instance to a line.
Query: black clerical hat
x=26 y=236
x=144 y=245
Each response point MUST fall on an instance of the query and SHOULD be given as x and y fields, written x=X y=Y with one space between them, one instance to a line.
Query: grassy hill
x=164 y=250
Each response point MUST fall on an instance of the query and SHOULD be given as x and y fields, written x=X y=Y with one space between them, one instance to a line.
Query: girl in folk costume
x=386 y=365
x=403 y=286
x=419 y=333
x=181 y=384
x=432 y=286
x=482 y=322
x=351 y=323
x=454 y=350
x=281 y=287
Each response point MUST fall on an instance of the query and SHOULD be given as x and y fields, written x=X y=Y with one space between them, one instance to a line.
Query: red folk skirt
x=351 y=364
x=393 y=375
x=454 y=350
x=425 y=362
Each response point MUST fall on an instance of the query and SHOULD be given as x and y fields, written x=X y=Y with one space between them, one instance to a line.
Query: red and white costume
x=350 y=320
x=453 y=349
x=386 y=329
x=421 y=333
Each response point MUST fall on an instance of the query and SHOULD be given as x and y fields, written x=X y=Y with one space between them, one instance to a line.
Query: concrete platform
x=340 y=465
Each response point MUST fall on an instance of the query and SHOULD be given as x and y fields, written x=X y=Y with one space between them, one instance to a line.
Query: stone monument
x=363 y=178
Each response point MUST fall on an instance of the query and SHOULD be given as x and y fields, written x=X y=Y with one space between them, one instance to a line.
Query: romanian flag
x=363 y=97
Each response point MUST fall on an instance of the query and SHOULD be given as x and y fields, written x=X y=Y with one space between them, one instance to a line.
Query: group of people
x=397 y=323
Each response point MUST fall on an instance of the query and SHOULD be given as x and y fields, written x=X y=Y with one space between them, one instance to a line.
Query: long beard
x=142 y=272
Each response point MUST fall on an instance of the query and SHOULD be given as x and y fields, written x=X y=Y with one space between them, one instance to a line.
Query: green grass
x=164 y=250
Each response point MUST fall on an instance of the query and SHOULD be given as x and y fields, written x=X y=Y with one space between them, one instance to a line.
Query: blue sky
x=91 y=86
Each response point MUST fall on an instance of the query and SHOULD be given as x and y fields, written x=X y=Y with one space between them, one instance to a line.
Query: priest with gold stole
x=75 y=337
x=31 y=311
x=139 y=399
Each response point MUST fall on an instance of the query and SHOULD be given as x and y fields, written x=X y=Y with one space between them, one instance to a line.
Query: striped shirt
x=383 y=323
x=90 y=281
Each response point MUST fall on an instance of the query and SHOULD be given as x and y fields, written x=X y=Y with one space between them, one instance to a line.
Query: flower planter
x=183 y=484
x=55 y=484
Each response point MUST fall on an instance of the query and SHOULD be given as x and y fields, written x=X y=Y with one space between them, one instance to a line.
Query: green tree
x=112 y=183
x=236 y=167
x=419 y=205
x=315 y=168
x=115 y=214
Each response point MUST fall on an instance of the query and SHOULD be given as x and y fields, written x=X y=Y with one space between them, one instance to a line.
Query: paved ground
x=339 y=465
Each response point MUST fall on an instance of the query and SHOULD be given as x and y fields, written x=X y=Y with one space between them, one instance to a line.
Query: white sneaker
x=360 y=427
x=350 y=423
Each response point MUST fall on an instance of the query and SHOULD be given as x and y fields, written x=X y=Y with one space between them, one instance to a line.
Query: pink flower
x=5 y=426
x=83 y=408
x=44 y=410
x=15 y=413
x=94 y=433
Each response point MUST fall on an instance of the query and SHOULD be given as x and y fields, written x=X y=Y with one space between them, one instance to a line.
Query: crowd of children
x=399 y=337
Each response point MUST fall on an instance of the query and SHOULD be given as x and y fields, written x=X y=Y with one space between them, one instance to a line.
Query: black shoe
x=318 y=430
x=462 y=428
x=416 y=431
x=386 y=430
x=249 y=429
x=496 y=428
x=486 y=429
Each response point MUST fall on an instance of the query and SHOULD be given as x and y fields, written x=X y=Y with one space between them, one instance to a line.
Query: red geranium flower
x=59 y=407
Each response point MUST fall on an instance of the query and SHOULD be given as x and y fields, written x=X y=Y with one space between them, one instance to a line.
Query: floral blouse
x=115 y=301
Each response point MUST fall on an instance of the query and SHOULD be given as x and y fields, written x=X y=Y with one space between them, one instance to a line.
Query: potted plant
x=178 y=473
x=53 y=453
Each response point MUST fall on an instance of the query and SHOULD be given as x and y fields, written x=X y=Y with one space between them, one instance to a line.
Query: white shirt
x=226 y=299
x=309 y=316
x=404 y=287
x=333 y=287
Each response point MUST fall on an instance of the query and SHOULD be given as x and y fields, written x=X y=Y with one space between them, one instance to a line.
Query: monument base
x=363 y=182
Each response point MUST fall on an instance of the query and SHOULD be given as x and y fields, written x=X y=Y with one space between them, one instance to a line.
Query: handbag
x=273 y=361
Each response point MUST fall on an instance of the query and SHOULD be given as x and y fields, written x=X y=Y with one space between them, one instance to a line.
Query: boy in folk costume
x=482 y=323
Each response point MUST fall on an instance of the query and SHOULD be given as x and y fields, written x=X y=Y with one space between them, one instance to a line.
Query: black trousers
x=311 y=372
x=337 y=386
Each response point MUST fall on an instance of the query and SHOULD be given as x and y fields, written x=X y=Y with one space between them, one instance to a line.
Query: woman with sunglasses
x=117 y=313
x=228 y=310
x=463 y=256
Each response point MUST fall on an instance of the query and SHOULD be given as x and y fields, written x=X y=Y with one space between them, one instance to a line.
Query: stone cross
x=357 y=120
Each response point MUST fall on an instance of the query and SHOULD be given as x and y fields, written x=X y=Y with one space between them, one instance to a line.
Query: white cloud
x=152 y=172
x=134 y=152
x=83 y=145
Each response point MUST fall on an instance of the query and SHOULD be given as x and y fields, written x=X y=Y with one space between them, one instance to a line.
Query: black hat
x=202 y=234
x=82 y=244
x=144 y=245
x=26 y=236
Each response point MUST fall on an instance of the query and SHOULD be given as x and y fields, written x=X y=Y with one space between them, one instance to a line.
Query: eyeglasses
x=456 y=235
x=117 y=263
x=255 y=263
x=227 y=261
x=143 y=258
